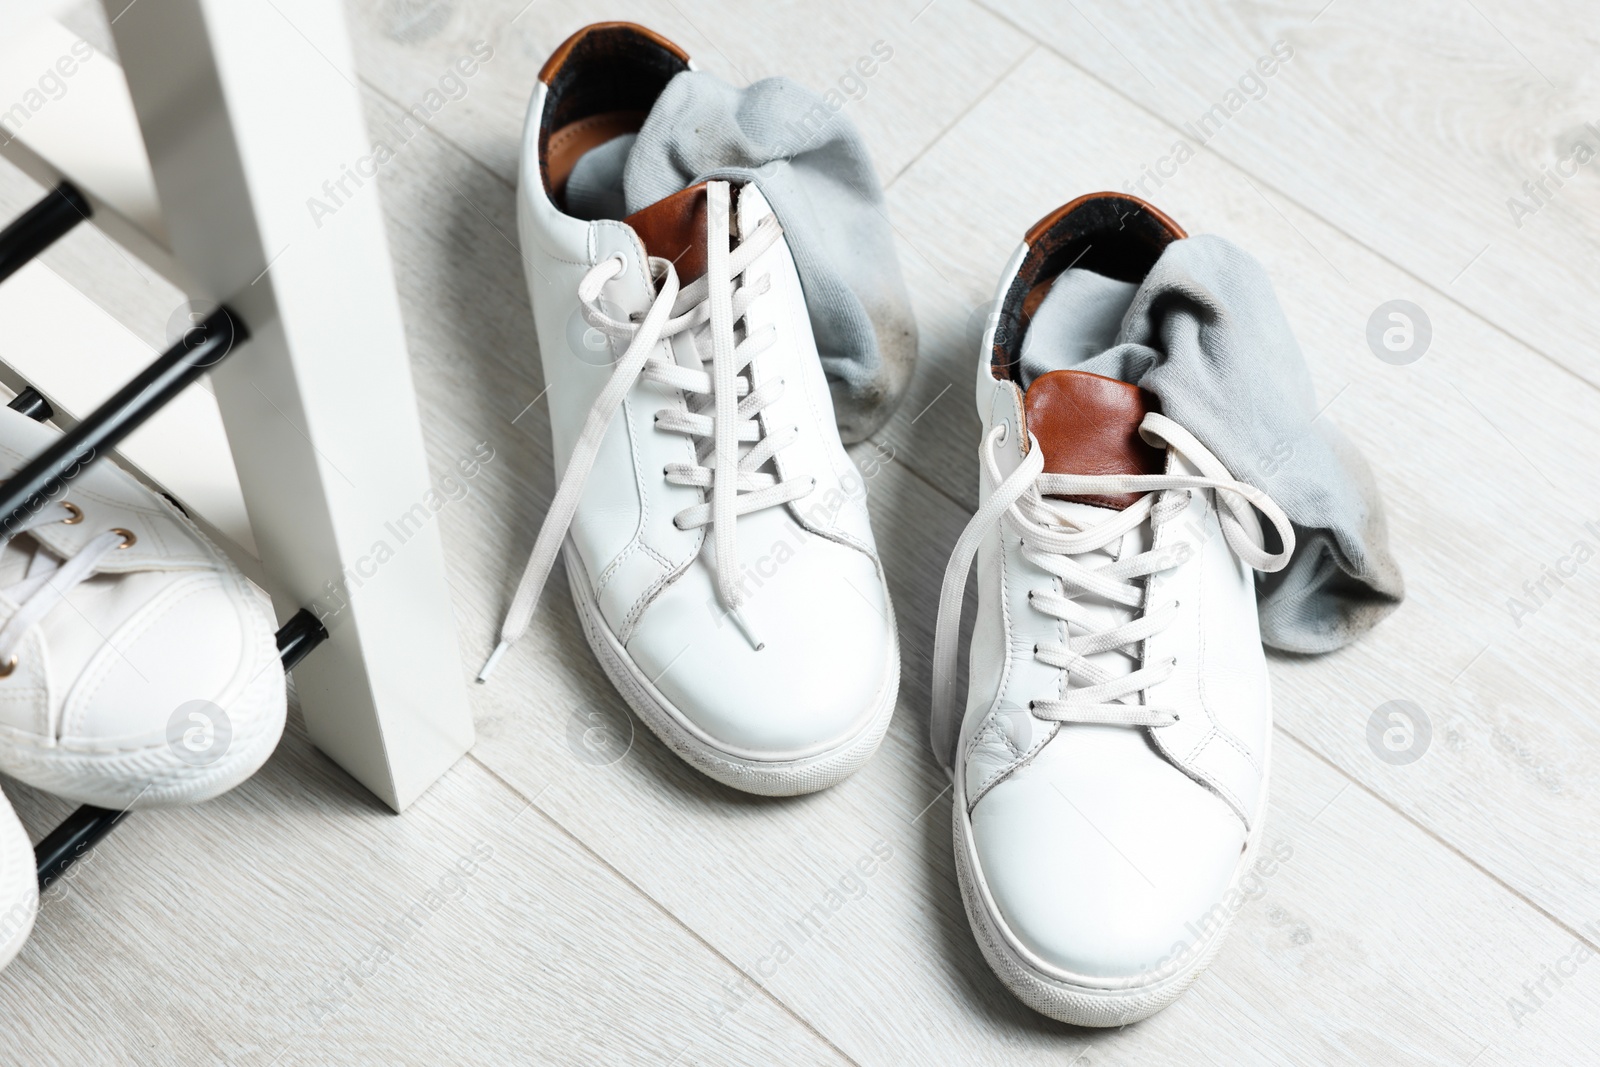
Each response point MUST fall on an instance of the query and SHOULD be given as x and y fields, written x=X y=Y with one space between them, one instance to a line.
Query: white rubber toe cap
x=191 y=644
x=823 y=617
x=1103 y=859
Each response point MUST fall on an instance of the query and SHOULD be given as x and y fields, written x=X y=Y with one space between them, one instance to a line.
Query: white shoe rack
x=196 y=150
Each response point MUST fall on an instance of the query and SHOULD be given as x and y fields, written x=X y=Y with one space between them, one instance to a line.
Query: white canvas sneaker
x=714 y=529
x=19 y=884
x=138 y=666
x=1110 y=769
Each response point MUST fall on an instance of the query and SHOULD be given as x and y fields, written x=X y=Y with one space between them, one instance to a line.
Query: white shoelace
x=707 y=309
x=38 y=593
x=1050 y=540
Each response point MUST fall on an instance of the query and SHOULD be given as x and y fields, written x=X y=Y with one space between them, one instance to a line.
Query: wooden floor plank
x=296 y=920
x=1412 y=127
x=940 y=59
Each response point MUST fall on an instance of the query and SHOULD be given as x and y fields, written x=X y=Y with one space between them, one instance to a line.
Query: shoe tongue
x=675 y=229
x=1087 y=424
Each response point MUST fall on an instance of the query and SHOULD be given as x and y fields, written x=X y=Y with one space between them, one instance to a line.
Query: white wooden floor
x=542 y=906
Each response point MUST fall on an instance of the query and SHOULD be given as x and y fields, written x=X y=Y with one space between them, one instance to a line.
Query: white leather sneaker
x=714 y=529
x=19 y=884
x=1110 y=770
x=138 y=666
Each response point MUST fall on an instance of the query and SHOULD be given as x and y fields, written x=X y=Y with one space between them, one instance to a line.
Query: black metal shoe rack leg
x=98 y=433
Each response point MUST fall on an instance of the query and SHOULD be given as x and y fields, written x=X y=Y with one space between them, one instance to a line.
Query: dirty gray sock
x=1205 y=334
x=813 y=168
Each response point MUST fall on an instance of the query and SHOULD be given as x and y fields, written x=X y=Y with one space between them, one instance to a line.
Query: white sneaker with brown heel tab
x=1110 y=766
x=714 y=529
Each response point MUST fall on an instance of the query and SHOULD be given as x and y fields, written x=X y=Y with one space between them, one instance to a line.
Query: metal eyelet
x=129 y=539
x=77 y=517
x=5 y=672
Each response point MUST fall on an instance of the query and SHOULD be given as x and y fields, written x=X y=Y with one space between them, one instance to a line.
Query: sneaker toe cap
x=195 y=649
x=1105 y=867
x=818 y=680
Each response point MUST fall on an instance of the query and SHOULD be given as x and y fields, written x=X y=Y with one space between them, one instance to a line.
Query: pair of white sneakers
x=138 y=666
x=1110 y=761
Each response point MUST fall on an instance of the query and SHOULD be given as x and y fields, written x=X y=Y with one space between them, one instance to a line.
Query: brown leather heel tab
x=675 y=229
x=603 y=37
x=1088 y=424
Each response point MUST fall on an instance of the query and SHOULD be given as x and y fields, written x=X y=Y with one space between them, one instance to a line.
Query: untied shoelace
x=707 y=309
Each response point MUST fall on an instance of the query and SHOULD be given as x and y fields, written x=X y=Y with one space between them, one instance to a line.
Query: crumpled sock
x=1204 y=332
x=812 y=166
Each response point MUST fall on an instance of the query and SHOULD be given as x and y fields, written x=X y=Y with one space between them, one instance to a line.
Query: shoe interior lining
x=571 y=142
x=1111 y=235
x=611 y=77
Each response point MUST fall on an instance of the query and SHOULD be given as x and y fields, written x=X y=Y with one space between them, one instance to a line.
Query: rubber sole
x=19 y=885
x=1081 y=1000
x=772 y=779
x=151 y=776
x=155 y=774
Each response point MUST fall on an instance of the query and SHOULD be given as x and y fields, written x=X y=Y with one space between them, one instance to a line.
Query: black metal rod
x=100 y=431
x=66 y=844
x=80 y=831
x=31 y=404
x=299 y=636
x=40 y=226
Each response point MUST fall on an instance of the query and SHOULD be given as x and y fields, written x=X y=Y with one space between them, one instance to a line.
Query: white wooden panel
x=246 y=109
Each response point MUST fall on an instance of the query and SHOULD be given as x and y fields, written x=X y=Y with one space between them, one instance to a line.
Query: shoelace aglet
x=744 y=627
x=494 y=658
